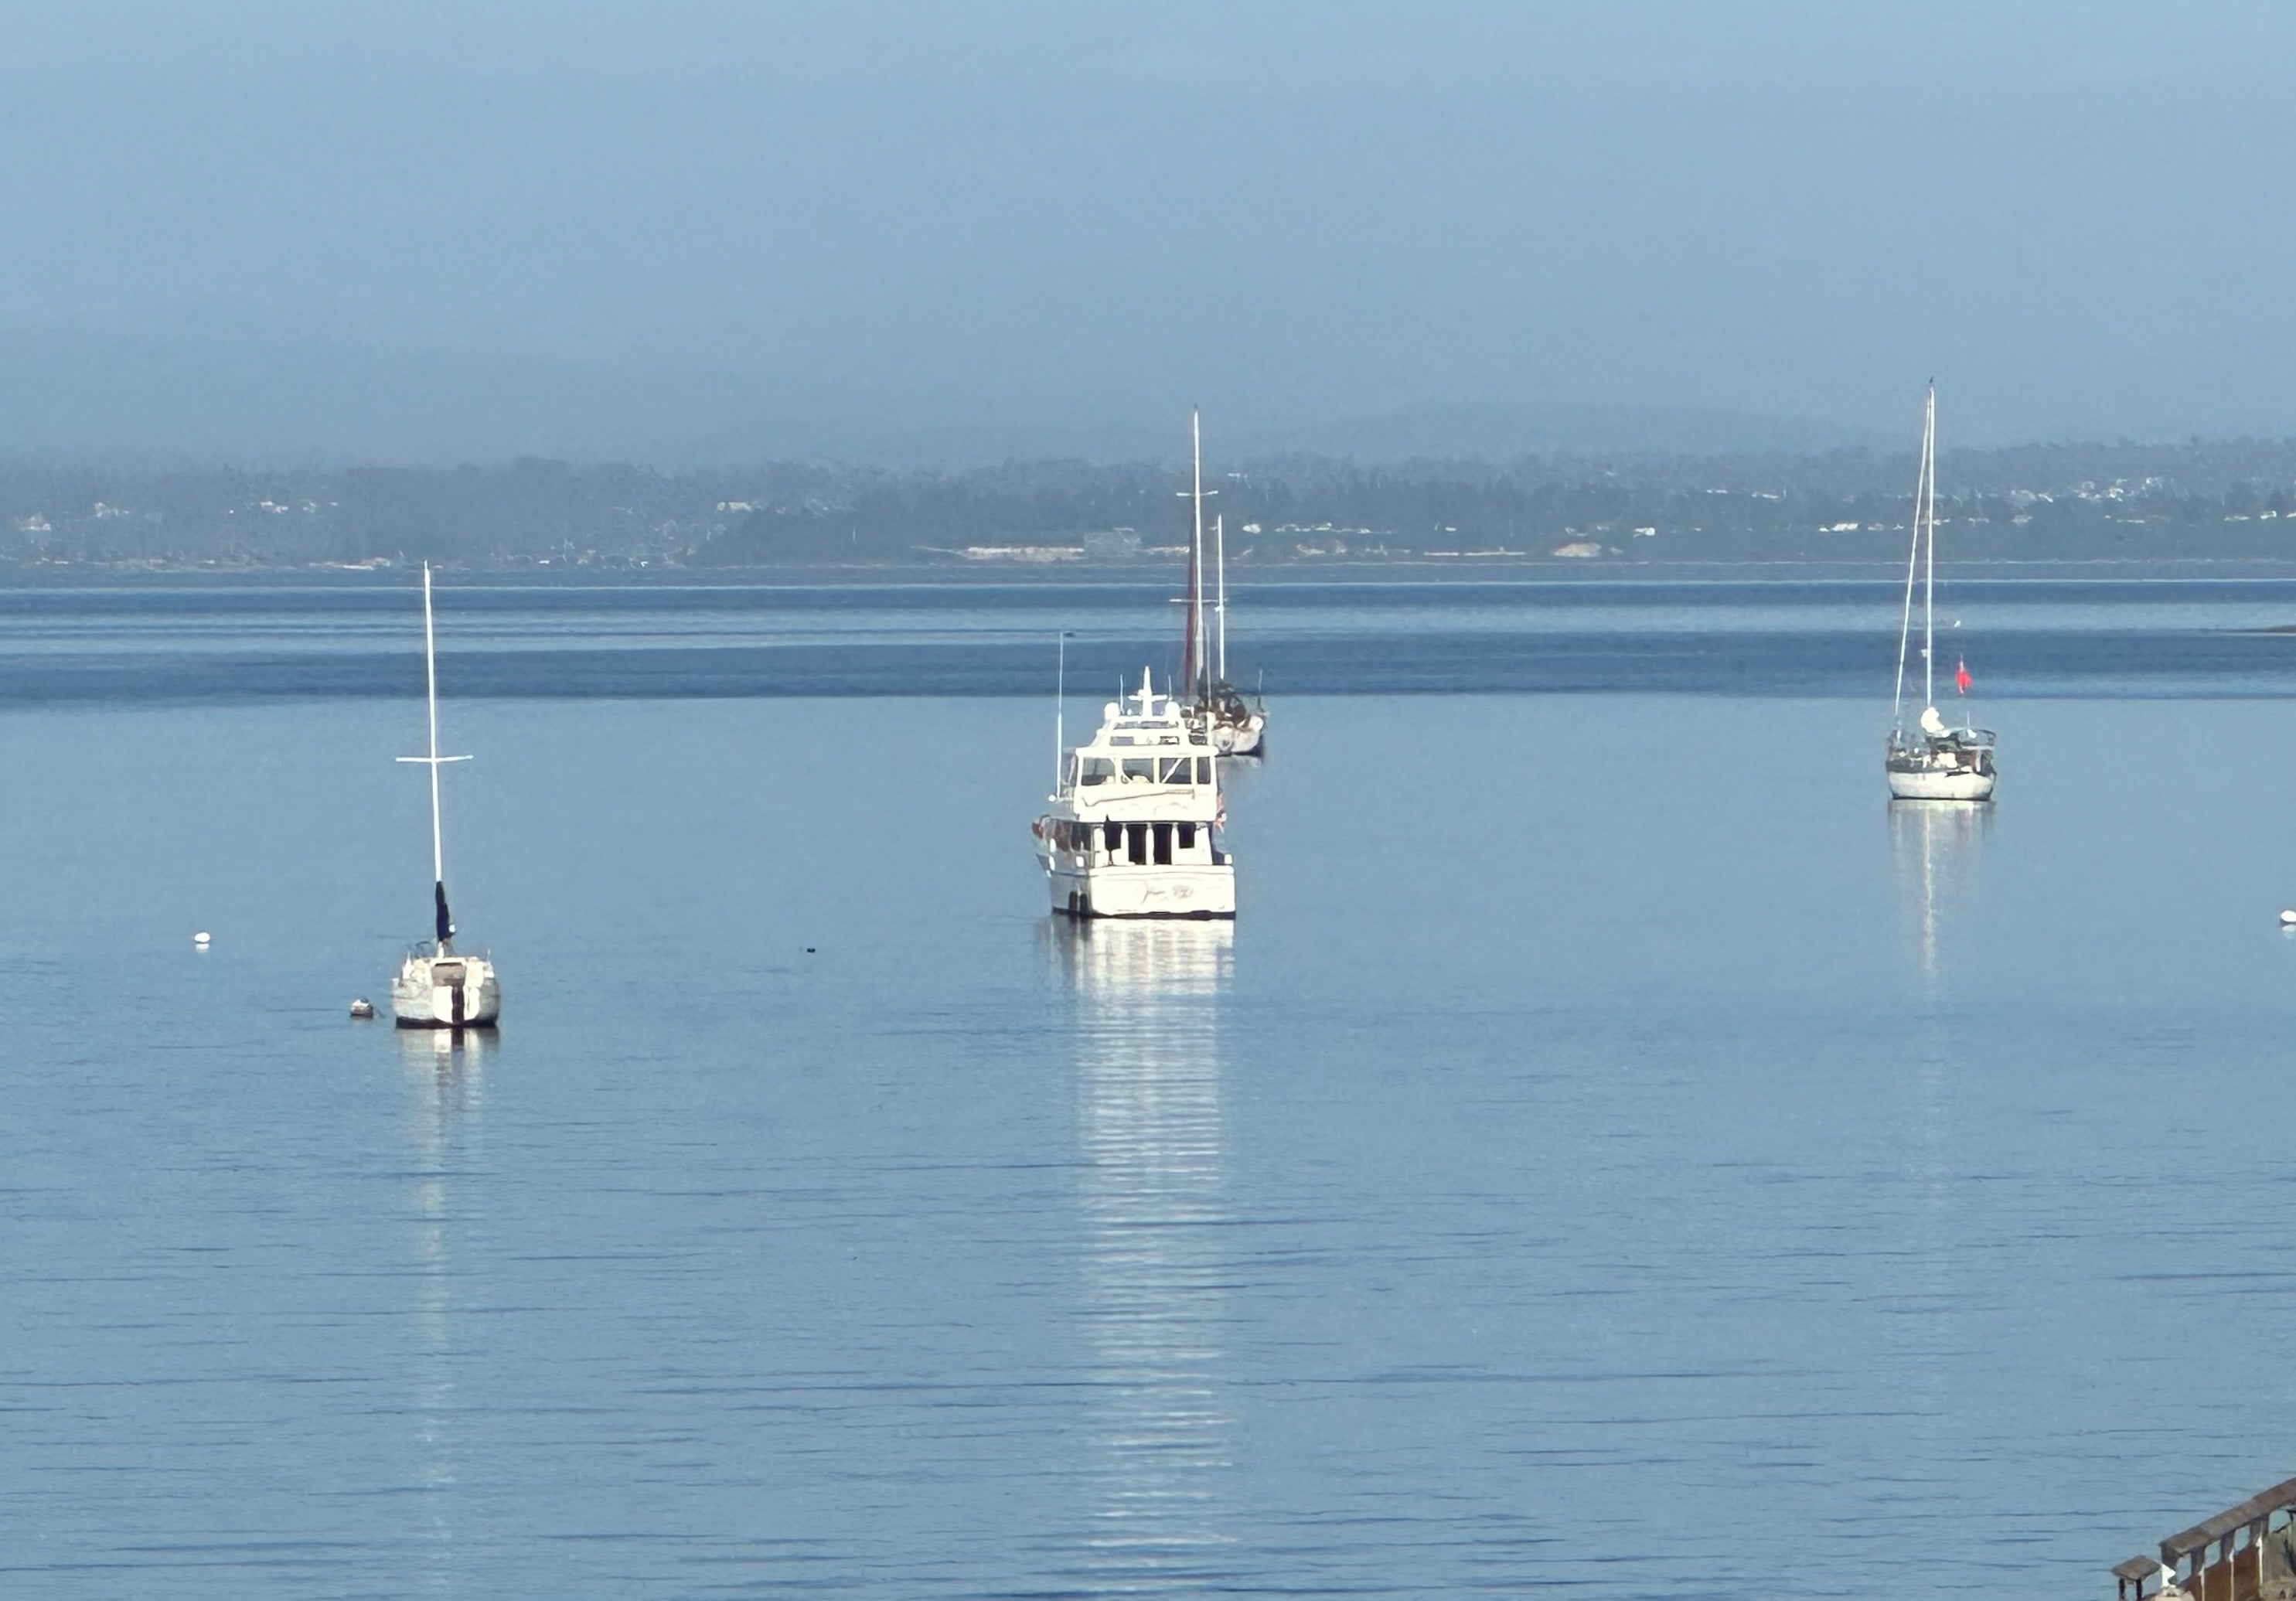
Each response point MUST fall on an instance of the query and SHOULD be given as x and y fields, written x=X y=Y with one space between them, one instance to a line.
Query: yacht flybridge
x=1135 y=815
x=438 y=987
x=1932 y=760
x=1235 y=726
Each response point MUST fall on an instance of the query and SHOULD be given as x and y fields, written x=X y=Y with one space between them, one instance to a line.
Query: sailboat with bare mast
x=1235 y=725
x=1931 y=761
x=438 y=987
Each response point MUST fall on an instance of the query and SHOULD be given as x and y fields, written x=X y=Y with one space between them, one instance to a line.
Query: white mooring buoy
x=2288 y=919
x=362 y=1008
x=200 y=939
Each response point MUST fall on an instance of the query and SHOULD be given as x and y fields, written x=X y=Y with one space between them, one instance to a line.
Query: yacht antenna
x=446 y=922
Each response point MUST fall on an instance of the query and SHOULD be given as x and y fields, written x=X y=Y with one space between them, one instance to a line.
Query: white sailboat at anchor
x=1932 y=760
x=438 y=987
x=1234 y=724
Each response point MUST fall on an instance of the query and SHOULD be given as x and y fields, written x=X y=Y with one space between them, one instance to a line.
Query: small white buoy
x=362 y=1008
x=2288 y=919
x=200 y=939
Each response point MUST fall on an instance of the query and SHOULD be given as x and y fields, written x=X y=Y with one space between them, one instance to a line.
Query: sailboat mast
x=1929 y=580
x=1912 y=568
x=1059 y=711
x=1193 y=644
x=433 y=760
x=430 y=674
x=1219 y=547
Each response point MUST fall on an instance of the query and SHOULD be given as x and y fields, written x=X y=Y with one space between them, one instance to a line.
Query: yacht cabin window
x=1140 y=767
x=1098 y=769
x=1139 y=843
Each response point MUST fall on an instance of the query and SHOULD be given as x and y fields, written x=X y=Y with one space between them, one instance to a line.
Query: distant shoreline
x=1445 y=572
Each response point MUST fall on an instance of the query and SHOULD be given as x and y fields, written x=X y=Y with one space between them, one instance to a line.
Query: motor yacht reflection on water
x=438 y=987
x=1932 y=760
x=1135 y=814
x=1155 y=1253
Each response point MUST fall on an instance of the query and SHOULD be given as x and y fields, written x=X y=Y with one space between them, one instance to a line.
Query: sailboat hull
x=446 y=992
x=1940 y=785
x=1238 y=738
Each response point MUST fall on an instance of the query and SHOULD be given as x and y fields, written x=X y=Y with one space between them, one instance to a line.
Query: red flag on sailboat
x=1960 y=676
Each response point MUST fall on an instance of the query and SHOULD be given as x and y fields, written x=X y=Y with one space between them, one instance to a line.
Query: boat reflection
x=1936 y=844
x=1153 y=1252
x=1150 y=958
x=445 y=1072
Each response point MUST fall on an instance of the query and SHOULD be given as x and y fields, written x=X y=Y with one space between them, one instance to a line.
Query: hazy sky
x=686 y=230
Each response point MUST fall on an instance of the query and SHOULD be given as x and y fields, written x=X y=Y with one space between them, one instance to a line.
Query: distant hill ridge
x=2034 y=502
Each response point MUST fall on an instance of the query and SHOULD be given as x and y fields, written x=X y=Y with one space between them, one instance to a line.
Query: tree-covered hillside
x=2030 y=502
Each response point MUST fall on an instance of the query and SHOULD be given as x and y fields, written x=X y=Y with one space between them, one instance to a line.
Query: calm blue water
x=183 y=642
x=1611 y=1149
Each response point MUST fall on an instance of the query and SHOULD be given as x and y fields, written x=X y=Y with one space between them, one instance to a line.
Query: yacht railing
x=2240 y=1555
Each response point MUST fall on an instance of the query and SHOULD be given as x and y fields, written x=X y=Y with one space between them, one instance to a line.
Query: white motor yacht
x=1135 y=816
x=438 y=987
x=1932 y=760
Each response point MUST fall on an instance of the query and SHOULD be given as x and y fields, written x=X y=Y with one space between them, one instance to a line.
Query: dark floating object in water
x=362 y=1008
x=809 y=950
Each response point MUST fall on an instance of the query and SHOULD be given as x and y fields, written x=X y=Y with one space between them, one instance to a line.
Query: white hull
x=1958 y=785
x=446 y=992
x=1196 y=890
x=1238 y=739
